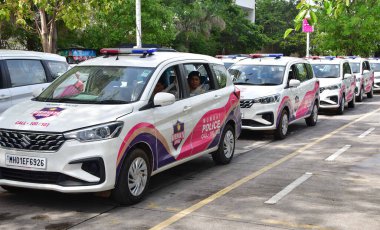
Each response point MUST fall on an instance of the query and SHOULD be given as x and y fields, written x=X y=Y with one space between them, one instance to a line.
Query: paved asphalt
x=322 y=177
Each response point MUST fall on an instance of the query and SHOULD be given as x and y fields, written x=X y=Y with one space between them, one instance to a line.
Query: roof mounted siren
x=116 y=51
x=276 y=56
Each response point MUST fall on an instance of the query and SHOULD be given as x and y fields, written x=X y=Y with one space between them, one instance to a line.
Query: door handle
x=186 y=108
x=3 y=97
x=216 y=96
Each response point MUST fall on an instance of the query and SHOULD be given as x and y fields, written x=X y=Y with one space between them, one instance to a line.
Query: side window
x=221 y=75
x=366 y=66
x=169 y=83
x=346 y=68
x=26 y=72
x=198 y=78
x=57 y=68
x=292 y=73
x=301 y=72
x=309 y=71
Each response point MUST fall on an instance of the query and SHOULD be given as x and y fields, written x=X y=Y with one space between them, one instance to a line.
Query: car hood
x=377 y=74
x=323 y=82
x=252 y=92
x=59 y=117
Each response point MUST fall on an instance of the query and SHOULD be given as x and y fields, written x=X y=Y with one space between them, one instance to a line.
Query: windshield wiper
x=269 y=84
x=331 y=77
x=111 y=101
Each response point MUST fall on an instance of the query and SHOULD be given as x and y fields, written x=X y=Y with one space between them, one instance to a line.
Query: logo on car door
x=178 y=134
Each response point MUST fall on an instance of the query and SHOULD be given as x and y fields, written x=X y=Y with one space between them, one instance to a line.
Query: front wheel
x=312 y=120
x=226 y=147
x=370 y=93
x=133 y=179
x=282 y=127
x=340 y=110
x=351 y=104
x=360 y=97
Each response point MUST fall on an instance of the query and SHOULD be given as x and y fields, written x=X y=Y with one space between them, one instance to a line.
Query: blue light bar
x=275 y=55
x=330 y=57
x=352 y=57
x=143 y=50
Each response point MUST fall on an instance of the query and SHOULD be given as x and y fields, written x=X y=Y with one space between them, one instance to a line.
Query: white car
x=229 y=60
x=104 y=126
x=337 y=83
x=21 y=72
x=364 y=76
x=275 y=92
x=375 y=66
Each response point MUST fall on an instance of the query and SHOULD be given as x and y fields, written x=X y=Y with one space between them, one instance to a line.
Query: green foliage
x=355 y=32
x=275 y=16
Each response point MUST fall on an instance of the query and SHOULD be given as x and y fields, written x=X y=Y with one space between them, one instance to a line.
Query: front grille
x=31 y=141
x=42 y=177
x=246 y=103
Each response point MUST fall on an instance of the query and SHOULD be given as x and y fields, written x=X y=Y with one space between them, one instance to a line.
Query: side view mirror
x=347 y=75
x=163 y=99
x=365 y=71
x=293 y=83
x=36 y=92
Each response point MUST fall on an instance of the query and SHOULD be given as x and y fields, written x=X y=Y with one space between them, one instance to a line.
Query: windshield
x=98 y=85
x=375 y=67
x=228 y=64
x=257 y=74
x=326 y=70
x=355 y=67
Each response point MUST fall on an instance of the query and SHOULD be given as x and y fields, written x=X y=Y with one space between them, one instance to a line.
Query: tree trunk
x=52 y=37
x=44 y=31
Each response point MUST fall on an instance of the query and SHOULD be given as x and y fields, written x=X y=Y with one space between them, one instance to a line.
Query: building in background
x=249 y=7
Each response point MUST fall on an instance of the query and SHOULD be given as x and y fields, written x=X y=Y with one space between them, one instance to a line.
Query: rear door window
x=57 y=68
x=26 y=72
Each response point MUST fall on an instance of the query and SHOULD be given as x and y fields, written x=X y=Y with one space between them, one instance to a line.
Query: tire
x=226 y=148
x=136 y=167
x=360 y=97
x=283 y=126
x=340 y=110
x=352 y=103
x=313 y=119
x=370 y=93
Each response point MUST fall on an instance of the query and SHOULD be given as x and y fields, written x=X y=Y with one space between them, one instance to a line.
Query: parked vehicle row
x=112 y=122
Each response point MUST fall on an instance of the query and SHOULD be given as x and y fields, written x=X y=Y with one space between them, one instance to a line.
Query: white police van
x=375 y=66
x=364 y=76
x=275 y=92
x=21 y=72
x=337 y=83
x=103 y=126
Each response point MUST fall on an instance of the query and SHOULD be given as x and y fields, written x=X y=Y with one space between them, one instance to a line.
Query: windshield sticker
x=47 y=112
x=178 y=134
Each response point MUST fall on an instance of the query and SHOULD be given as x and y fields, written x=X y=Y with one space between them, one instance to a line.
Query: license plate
x=25 y=161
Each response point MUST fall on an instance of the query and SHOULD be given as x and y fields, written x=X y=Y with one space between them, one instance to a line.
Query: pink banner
x=306 y=27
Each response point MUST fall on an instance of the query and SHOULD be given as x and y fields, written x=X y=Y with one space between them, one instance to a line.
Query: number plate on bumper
x=25 y=161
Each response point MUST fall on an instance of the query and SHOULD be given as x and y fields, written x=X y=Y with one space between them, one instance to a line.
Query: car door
x=368 y=76
x=26 y=75
x=208 y=108
x=174 y=123
x=305 y=91
x=292 y=93
x=348 y=82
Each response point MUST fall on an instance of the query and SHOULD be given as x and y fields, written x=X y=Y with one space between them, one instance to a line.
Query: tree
x=275 y=16
x=46 y=13
x=355 y=32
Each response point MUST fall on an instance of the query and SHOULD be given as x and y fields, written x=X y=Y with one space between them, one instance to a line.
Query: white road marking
x=288 y=188
x=366 y=132
x=337 y=153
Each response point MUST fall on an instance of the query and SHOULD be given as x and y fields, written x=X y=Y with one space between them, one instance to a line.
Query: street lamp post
x=138 y=23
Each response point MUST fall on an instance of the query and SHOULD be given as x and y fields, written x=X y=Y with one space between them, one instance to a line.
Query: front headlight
x=96 y=133
x=268 y=99
x=333 y=87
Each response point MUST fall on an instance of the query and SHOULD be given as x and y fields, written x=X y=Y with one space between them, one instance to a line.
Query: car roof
x=374 y=60
x=148 y=61
x=17 y=54
x=283 y=61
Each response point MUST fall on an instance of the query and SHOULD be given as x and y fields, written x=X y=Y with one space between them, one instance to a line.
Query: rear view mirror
x=347 y=75
x=162 y=99
x=293 y=83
